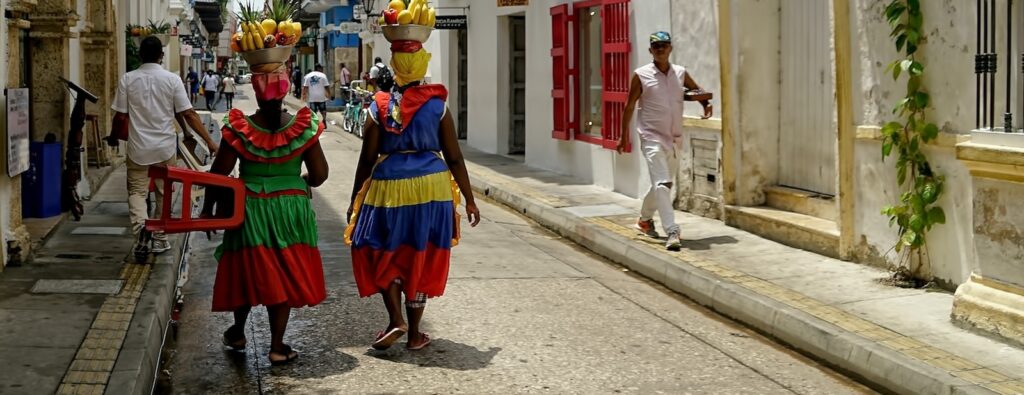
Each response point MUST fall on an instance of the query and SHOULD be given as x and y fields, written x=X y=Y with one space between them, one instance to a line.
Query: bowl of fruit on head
x=267 y=37
x=411 y=20
x=159 y=30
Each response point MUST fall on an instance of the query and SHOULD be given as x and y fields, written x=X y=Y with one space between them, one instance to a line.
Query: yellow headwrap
x=410 y=67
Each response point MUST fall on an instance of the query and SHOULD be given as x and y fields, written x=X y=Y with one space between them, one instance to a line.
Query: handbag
x=697 y=95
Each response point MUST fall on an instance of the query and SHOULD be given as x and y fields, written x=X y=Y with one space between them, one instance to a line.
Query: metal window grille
x=986 y=66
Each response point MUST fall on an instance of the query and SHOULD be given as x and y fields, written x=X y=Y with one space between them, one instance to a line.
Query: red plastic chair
x=188 y=178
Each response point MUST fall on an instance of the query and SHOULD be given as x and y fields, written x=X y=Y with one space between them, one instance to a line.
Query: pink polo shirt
x=660 y=114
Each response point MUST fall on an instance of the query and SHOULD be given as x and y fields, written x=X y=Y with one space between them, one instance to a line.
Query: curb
x=841 y=349
x=135 y=371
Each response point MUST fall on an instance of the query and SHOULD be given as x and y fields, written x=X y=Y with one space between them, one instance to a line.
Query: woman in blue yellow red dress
x=403 y=220
x=272 y=260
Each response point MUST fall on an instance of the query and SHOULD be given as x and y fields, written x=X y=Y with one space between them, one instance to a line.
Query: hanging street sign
x=350 y=27
x=451 y=22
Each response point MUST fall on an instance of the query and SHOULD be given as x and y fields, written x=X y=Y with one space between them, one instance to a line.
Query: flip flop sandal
x=289 y=353
x=421 y=346
x=386 y=339
x=234 y=338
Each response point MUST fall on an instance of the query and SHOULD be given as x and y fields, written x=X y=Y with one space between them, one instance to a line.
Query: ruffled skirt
x=404 y=229
x=273 y=258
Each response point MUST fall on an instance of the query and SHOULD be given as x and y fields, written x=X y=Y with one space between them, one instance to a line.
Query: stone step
x=797 y=230
x=802 y=202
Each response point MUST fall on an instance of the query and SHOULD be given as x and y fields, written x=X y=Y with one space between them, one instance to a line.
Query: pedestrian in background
x=272 y=259
x=346 y=76
x=660 y=88
x=193 y=84
x=378 y=65
x=228 y=90
x=297 y=82
x=148 y=100
x=210 y=84
x=315 y=90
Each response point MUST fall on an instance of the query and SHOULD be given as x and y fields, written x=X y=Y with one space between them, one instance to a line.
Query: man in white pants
x=659 y=87
x=149 y=100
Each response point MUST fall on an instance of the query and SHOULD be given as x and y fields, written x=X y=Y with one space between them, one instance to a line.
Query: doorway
x=807 y=134
x=517 y=98
x=463 y=84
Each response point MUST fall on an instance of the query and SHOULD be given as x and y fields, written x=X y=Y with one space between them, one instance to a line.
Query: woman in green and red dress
x=272 y=259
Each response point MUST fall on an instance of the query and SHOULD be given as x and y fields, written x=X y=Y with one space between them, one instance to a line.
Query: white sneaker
x=673 y=243
x=160 y=246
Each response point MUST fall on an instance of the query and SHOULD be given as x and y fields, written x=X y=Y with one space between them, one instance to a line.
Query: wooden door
x=807 y=132
x=517 y=100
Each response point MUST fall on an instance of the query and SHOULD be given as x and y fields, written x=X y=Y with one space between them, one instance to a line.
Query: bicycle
x=356 y=110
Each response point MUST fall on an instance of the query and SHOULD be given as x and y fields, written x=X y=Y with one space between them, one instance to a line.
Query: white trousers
x=662 y=165
x=138 y=189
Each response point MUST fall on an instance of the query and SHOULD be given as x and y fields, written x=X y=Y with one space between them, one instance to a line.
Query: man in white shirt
x=660 y=88
x=149 y=99
x=315 y=89
x=210 y=85
x=380 y=76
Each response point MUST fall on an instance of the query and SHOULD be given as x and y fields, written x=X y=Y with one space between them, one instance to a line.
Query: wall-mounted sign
x=17 y=131
x=372 y=27
x=451 y=22
x=359 y=12
x=186 y=50
x=350 y=27
x=512 y=3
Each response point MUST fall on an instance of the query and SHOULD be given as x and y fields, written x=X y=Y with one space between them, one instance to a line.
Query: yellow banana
x=415 y=11
x=432 y=17
x=254 y=28
x=259 y=28
x=246 y=44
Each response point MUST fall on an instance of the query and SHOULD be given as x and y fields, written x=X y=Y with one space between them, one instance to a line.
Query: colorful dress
x=404 y=221
x=273 y=257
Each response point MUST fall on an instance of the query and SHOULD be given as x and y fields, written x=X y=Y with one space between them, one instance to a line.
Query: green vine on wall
x=917 y=211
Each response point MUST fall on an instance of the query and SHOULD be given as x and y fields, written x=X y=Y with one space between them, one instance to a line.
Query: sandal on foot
x=234 y=338
x=426 y=342
x=387 y=338
x=290 y=355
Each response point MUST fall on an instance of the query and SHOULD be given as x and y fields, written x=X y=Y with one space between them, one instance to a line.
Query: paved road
x=525 y=311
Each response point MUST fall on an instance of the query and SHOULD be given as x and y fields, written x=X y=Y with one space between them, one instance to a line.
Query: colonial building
x=794 y=150
x=83 y=41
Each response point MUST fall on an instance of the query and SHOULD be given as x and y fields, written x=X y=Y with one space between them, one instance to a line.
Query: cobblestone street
x=525 y=311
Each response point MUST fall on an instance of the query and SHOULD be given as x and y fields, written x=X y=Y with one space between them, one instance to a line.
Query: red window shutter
x=615 y=68
x=560 y=70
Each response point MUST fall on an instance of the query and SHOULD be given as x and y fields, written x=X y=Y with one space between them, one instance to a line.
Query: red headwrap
x=271 y=86
x=407 y=46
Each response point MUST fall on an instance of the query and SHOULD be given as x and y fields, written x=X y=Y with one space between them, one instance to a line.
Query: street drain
x=103 y=287
x=111 y=208
x=100 y=230
x=72 y=256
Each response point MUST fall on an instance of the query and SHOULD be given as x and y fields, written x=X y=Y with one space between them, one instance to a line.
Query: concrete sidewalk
x=899 y=340
x=80 y=317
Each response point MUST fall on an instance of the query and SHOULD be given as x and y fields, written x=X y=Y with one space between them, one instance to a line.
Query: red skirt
x=420 y=271
x=264 y=276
